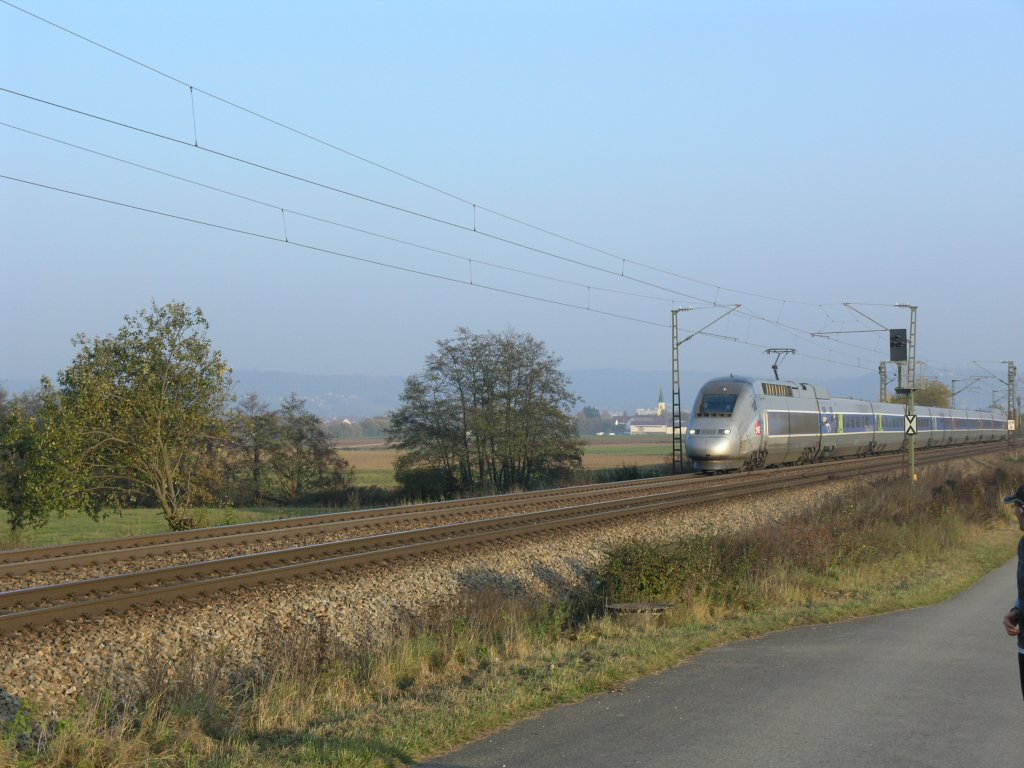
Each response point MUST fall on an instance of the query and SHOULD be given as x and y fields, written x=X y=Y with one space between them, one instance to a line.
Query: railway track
x=32 y=567
x=421 y=529
x=41 y=558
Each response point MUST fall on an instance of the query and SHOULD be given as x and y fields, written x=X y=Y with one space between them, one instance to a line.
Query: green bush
x=878 y=523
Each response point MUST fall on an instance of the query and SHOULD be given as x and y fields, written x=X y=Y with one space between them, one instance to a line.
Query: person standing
x=1012 y=620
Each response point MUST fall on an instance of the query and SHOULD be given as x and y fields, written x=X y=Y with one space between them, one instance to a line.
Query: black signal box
x=898 y=345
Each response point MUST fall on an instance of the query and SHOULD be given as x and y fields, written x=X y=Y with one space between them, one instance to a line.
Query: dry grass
x=494 y=659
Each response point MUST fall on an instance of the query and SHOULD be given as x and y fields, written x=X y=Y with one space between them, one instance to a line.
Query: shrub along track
x=110 y=586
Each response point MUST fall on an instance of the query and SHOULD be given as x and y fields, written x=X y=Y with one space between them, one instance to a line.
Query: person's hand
x=1011 y=622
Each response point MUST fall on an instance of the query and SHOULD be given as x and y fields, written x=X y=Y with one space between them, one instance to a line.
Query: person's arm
x=1011 y=621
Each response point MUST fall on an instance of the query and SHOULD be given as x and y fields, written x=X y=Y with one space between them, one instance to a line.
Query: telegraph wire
x=623 y=261
x=330 y=188
x=320 y=249
x=393 y=171
x=374 y=262
x=323 y=220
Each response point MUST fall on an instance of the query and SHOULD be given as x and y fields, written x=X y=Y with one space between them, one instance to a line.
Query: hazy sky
x=599 y=163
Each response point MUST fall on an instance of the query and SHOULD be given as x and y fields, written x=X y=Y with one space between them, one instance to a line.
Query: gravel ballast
x=57 y=664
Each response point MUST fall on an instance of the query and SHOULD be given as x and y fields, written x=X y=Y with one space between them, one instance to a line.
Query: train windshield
x=716 y=405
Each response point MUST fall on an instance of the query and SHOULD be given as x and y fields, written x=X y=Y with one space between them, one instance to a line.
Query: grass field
x=77 y=527
x=611 y=451
x=370 y=457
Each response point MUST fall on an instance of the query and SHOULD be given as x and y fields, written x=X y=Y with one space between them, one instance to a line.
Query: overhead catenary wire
x=275 y=206
x=306 y=246
x=323 y=220
x=331 y=188
x=622 y=261
x=388 y=169
x=400 y=209
x=806 y=335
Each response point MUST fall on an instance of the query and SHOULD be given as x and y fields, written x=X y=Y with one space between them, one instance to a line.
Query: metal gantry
x=677 y=408
x=903 y=352
x=909 y=387
x=1012 y=399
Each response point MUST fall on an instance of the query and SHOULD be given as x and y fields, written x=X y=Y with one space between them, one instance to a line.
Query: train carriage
x=746 y=423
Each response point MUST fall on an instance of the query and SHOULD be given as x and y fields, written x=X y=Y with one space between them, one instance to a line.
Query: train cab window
x=716 y=404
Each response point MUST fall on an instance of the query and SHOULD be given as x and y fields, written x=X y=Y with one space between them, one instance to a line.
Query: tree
x=931 y=393
x=255 y=435
x=302 y=463
x=488 y=412
x=19 y=428
x=590 y=421
x=136 y=414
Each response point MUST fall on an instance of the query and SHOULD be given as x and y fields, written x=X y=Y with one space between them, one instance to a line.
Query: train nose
x=709 y=447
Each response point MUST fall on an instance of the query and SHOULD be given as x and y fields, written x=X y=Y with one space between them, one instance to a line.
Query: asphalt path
x=936 y=686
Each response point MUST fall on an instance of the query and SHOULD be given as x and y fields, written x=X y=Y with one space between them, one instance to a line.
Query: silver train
x=746 y=423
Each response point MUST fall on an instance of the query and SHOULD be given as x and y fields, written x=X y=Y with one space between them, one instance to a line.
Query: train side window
x=778 y=423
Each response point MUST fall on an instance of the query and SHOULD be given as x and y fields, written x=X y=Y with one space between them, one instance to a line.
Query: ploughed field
x=373 y=460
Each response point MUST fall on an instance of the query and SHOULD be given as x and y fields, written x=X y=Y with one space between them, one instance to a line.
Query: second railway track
x=489 y=520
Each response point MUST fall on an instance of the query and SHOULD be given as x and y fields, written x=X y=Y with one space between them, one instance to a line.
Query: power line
x=319 y=249
x=333 y=223
x=331 y=188
x=374 y=262
x=193 y=88
x=338 y=190
x=400 y=209
x=284 y=209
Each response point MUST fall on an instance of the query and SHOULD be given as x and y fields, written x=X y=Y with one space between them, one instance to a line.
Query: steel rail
x=301 y=524
x=157 y=576
x=219 y=538
x=152 y=586
x=31 y=561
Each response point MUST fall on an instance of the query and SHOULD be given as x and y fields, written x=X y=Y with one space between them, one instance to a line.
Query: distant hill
x=329 y=396
x=623 y=390
x=354 y=396
x=357 y=396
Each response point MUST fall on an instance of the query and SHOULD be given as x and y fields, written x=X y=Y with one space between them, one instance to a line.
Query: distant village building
x=650 y=421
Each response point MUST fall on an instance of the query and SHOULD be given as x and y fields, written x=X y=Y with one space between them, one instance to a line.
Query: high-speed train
x=747 y=423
